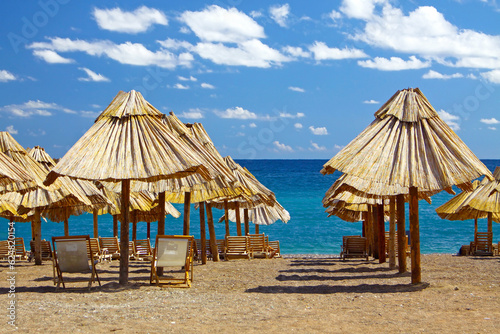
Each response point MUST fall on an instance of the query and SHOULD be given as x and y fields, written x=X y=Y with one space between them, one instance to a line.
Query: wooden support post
x=392 y=232
x=226 y=216
x=414 y=237
x=37 y=229
x=475 y=232
x=148 y=232
x=247 y=221
x=490 y=222
x=134 y=226
x=203 y=234
x=211 y=231
x=161 y=221
x=66 y=227
x=400 y=209
x=256 y=228
x=381 y=233
x=96 y=229
x=124 y=233
x=187 y=211
x=238 y=219
x=363 y=227
x=115 y=225
x=368 y=229
x=376 y=248
x=33 y=230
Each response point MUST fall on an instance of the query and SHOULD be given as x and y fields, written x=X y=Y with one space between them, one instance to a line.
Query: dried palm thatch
x=128 y=141
x=12 y=175
x=407 y=145
x=262 y=214
x=255 y=192
x=38 y=153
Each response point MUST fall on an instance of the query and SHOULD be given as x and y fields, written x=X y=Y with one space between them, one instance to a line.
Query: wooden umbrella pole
x=363 y=227
x=238 y=219
x=400 y=209
x=115 y=225
x=392 y=232
x=203 y=235
x=247 y=221
x=226 y=216
x=148 y=231
x=256 y=228
x=124 y=235
x=66 y=227
x=32 y=230
x=187 y=210
x=368 y=229
x=134 y=226
x=381 y=234
x=37 y=235
x=211 y=231
x=414 y=237
x=490 y=222
x=95 y=216
x=161 y=221
x=376 y=248
x=475 y=231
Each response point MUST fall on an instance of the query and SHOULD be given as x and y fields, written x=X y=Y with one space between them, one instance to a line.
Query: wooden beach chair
x=355 y=247
x=237 y=247
x=99 y=254
x=344 y=243
x=483 y=244
x=46 y=250
x=142 y=250
x=274 y=247
x=4 y=249
x=221 y=248
x=407 y=248
x=112 y=245
x=21 y=253
x=199 y=250
x=71 y=257
x=173 y=251
x=258 y=246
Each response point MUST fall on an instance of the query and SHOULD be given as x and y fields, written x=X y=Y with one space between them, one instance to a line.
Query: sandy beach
x=303 y=294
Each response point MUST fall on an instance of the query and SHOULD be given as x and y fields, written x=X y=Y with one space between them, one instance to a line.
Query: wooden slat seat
x=258 y=245
x=20 y=249
x=4 y=249
x=221 y=248
x=173 y=251
x=238 y=247
x=355 y=247
x=46 y=250
x=142 y=250
x=112 y=245
x=395 y=244
x=483 y=244
x=274 y=247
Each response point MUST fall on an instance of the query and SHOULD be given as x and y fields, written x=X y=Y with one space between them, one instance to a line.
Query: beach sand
x=302 y=294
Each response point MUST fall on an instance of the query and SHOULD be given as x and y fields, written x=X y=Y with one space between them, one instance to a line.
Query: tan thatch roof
x=262 y=214
x=11 y=172
x=255 y=192
x=38 y=153
x=406 y=145
x=475 y=204
x=128 y=141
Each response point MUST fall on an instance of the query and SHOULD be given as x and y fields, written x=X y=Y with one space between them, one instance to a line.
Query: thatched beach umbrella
x=408 y=149
x=12 y=173
x=128 y=142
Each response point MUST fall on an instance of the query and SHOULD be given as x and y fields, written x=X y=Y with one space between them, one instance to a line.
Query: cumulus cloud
x=192 y=114
x=288 y=115
x=191 y=78
x=31 y=108
x=297 y=89
x=207 y=85
x=298 y=126
x=450 y=119
x=371 y=102
x=490 y=121
x=216 y=24
x=139 y=20
x=6 y=76
x=319 y=131
x=92 y=76
x=316 y=147
x=236 y=113
x=334 y=15
x=322 y=52
x=280 y=14
x=492 y=76
x=296 y=51
x=10 y=129
x=394 y=63
x=125 y=53
x=180 y=86
x=436 y=75
x=252 y=125
x=492 y=128
x=282 y=147
x=52 y=57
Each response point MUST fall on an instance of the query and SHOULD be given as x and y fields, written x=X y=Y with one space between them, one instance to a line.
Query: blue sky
x=283 y=80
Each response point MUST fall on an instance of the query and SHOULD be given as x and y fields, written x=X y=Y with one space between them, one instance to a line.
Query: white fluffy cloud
x=436 y=75
x=288 y=115
x=450 y=119
x=492 y=76
x=490 y=121
x=394 y=64
x=10 y=129
x=236 y=113
x=322 y=52
x=192 y=114
x=296 y=51
x=216 y=24
x=319 y=131
x=280 y=14
x=191 y=78
x=316 y=147
x=52 y=57
x=92 y=76
x=296 y=89
x=298 y=126
x=133 y=22
x=6 y=76
x=180 y=86
x=31 y=108
x=282 y=147
x=207 y=85
x=371 y=102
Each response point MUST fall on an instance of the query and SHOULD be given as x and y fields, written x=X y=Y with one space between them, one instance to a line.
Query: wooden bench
x=483 y=244
x=237 y=247
x=355 y=247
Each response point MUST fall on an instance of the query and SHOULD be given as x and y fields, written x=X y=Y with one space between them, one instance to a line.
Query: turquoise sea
x=299 y=187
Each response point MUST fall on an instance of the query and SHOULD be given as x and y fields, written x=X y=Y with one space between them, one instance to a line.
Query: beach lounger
x=71 y=257
x=112 y=245
x=395 y=244
x=344 y=243
x=173 y=251
x=21 y=253
x=258 y=246
x=237 y=247
x=99 y=254
x=142 y=250
x=483 y=244
x=46 y=250
x=221 y=248
x=355 y=247
x=4 y=249
x=274 y=247
x=199 y=251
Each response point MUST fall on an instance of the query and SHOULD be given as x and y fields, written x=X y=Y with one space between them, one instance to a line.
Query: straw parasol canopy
x=262 y=214
x=12 y=175
x=408 y=149
x=128 y=141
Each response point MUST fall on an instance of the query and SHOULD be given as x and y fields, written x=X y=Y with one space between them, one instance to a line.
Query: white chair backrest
x=72 y=255
x=172 y=252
